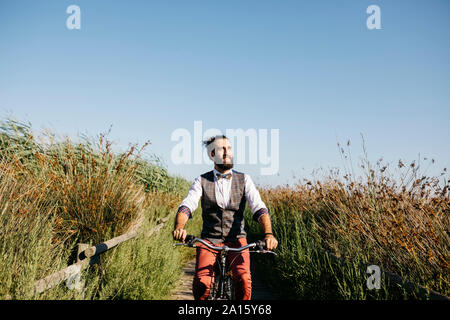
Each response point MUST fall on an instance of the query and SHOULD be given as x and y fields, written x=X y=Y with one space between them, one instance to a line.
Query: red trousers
x=240 y=268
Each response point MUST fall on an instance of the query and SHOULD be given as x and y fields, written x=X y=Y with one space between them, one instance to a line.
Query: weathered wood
x=155 y=229
x=87 y=256
x=74 y=281
x=163 y=220
x=81 y=248
x=54 y=279
x=105 y=246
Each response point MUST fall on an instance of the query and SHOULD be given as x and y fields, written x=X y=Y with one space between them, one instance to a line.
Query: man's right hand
x=179 y=234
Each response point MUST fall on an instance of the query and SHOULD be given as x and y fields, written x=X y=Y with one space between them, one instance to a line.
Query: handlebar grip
x=189 y=238
x=260 y=245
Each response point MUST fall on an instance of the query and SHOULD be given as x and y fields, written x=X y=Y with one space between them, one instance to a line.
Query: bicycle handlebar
x=259 y=245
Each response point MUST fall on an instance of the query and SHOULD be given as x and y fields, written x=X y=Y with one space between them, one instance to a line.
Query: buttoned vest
x=223 y=224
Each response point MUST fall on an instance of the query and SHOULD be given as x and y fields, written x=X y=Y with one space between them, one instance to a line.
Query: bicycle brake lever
x=184 y=244
x=264 y=251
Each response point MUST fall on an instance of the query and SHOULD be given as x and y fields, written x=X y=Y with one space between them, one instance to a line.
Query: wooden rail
x=87 y=256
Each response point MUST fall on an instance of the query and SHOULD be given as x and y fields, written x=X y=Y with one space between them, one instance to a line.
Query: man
x=224 y=193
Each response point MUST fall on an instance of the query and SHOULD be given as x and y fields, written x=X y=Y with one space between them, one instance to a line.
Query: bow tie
x=226 y=176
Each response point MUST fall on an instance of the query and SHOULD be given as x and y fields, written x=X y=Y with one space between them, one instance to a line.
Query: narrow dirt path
x=184 y=288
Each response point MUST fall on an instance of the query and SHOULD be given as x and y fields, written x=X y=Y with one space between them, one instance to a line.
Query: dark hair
x=210 y=140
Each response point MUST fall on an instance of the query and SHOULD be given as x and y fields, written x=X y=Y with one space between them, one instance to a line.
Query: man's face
x=223 y=153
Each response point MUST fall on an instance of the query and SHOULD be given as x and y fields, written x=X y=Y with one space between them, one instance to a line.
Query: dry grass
x=400 y=224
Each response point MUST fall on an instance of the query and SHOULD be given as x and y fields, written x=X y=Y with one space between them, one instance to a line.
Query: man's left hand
x=271 y=242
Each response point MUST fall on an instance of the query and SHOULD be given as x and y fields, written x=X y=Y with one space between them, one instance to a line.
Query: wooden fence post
x=81 y=248
x=74 y=282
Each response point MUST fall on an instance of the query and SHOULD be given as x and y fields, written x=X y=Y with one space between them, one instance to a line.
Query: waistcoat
x=223 y=224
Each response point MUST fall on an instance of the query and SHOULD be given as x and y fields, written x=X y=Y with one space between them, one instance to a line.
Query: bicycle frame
x=221 y=263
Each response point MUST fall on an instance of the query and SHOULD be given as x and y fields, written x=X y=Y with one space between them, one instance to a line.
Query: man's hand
x=179 y=234
x=271 y=242
x=266 y=227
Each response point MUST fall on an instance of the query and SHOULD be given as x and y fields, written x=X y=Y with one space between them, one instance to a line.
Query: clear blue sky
x=311 y=69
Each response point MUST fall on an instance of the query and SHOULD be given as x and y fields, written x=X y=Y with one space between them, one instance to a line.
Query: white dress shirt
x=223 y=193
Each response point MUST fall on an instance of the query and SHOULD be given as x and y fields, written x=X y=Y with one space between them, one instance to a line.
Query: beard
x=224 y=166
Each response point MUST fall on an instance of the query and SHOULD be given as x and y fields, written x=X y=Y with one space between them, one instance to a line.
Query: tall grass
x=57 y=193
x=400 y=224
x=27 y=247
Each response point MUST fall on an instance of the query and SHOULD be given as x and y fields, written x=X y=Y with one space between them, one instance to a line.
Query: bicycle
x=222 y=288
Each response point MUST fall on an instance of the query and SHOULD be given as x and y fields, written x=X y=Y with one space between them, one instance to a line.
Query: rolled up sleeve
x=190 y=203
x=256 y=205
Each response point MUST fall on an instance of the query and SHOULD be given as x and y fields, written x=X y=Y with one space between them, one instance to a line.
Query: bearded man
x=224 y=193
